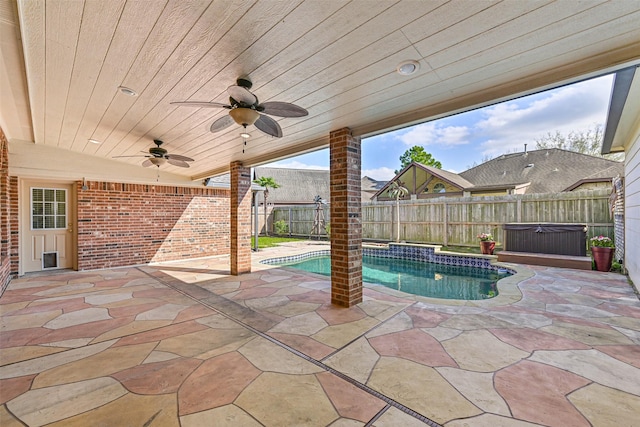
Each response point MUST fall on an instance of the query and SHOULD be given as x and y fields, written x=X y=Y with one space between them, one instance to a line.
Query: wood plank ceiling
x=335 y=58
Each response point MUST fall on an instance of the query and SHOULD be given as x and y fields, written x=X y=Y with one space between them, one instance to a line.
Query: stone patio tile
x=13 y=387
x=281 y=305
x=527 y=320
x=112 y=283
x=421 y=389
x=106 y=298
x=604 y=406
x=339 y=335
x=216 y=382
x=578 y=310
x=306 y=345
x=475 y=321
x=67 y=305
x=131 y=329
x=85 y=330
x=12 y=323
x=380 y=309
x=339 y=315
x=102 y=364
x=224 y=416
x=66 y=290
x=315 y=297
x=218 y=321
x=254 y=293
x=489 y=355
x=626 y=353
x=147 y=332
x=199 y=344
x=587 y=334
x=530 y=339
x=623 y=310
x=393 y=417
x=19 y=354
x=267 y=356
x=349 y=400
x=357 y=360
x=284 y=400
x=51 y=361
x=164 y=312
x=44 y=406
x=7 y=419
x=12 y=308
x=400 y=322
x=413 y=345
x=527 y=382
x=20 y=337
x=442 y=334
x=595 y=366
x=134 y=307
x=157 y=378
x=425 y=318
x=544 y=296
x=478 y=388
x=129 y=410
x=489 y=420
x=79 y=317
x=303 y=324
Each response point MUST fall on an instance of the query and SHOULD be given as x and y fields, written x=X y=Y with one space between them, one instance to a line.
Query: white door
x=47 y=226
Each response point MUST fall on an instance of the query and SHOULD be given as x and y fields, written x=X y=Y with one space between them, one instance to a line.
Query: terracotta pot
x=602 y=257
x=487 y=247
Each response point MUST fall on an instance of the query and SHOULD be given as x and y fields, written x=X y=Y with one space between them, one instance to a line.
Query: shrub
x=281 y=227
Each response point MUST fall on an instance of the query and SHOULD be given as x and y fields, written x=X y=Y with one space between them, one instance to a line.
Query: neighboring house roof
x=371 y=185
x=550 y=170
x=297 y=186
x=444 y=175
x=224 y=181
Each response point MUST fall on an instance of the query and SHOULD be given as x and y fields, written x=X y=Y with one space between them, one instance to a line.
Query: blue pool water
x=418 y=277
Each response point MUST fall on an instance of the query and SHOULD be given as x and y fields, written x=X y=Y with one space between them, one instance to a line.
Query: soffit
x=337 y=59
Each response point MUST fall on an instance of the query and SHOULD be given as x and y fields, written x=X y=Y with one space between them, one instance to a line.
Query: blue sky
x=464 y=139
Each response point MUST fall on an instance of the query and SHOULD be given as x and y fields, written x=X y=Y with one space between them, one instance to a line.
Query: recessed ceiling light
x=407 y=68
x=94 y=141
x=127 y=91
x=245 y=135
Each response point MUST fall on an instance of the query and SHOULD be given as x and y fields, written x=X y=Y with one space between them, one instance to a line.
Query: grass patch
x=270 y=241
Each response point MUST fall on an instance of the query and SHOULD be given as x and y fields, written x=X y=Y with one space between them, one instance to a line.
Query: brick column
x=346 y=225
x=240 y=219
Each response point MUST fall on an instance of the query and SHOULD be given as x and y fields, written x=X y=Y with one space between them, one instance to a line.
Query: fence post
x=289 y=221
x=519 y=210
x=445 y=238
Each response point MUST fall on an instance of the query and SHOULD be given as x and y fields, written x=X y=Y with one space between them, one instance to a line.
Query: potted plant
x=487 y=244
x=602 y=249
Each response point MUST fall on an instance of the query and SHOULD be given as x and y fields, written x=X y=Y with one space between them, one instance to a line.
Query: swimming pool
x=417 y=277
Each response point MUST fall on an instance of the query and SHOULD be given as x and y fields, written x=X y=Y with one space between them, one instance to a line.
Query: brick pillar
x=240 y=219
x=346 y=225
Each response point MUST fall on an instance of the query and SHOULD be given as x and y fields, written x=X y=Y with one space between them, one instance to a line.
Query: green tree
x=267 y=183
x=417 y=154
x=397 y=190
x=585 y=142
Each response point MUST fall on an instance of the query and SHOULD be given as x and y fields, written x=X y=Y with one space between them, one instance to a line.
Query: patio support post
x=346 y=224
x=240 y=219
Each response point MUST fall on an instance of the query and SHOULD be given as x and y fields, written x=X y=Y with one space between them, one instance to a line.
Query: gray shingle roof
x=549 y=171
x=296 y=185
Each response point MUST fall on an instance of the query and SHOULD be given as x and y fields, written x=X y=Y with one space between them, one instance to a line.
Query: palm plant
x=266 y=182
x=397 y=190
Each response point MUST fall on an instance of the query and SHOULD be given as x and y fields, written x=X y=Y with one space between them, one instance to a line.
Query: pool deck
x=186 y=344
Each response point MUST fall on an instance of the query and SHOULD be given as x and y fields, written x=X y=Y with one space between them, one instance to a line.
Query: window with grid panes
x=48 y=208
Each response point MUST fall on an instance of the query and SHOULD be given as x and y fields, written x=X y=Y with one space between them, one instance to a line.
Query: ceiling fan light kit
x=245 y=110
x=244 y=116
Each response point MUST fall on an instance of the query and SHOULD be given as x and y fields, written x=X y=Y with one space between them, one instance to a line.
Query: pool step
x=548 y=260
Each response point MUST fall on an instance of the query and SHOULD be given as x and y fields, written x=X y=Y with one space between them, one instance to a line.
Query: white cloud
x=507 y=127
x=432 y=133
x=295 y=164
x=379 y=174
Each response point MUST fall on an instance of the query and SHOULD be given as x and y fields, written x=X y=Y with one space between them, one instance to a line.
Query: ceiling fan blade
x=176 y=162
x=200 y=104
x=222 y=123
x=179 y=157
x=242 y=94
x=269 y=126
x=283 y=109
x=147 y=163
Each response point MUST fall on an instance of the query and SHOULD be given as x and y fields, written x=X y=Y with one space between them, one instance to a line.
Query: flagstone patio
x=186 y=344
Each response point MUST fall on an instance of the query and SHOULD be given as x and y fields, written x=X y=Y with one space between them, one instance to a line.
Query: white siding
x=632 y=209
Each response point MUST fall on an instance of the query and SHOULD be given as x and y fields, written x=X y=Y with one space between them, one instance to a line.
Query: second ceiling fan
x=245 y=110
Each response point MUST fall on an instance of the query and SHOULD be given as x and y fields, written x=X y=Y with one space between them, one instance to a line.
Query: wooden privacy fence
x=457 y=221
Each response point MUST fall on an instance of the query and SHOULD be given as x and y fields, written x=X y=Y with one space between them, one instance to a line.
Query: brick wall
x=240 y=219
x=128 y=224
x=8 y=218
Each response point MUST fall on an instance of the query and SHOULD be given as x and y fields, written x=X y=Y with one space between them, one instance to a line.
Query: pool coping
x=508 y=290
